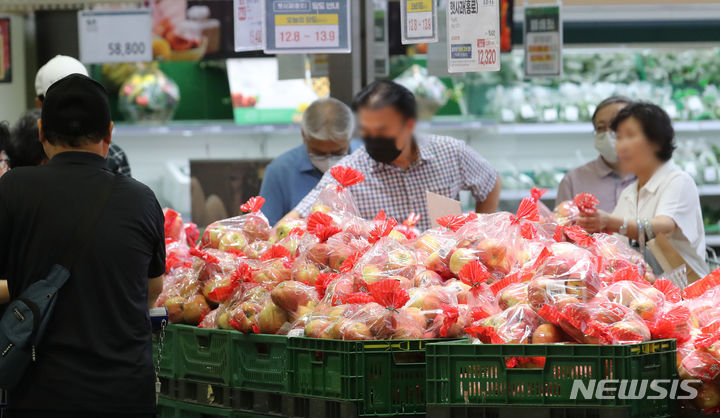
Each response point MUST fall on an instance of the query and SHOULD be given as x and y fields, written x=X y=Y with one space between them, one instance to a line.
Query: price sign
x=418 y=21
x=543 y=41
x=380 y=49
x=473 y=35
x=248 y=25
x=291 y=27
x=115 y=36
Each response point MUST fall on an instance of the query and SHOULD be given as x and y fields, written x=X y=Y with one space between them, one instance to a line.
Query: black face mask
x=381 y=149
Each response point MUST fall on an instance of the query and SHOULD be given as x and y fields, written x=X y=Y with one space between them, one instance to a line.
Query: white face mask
x=605 y=144
x=324 y=162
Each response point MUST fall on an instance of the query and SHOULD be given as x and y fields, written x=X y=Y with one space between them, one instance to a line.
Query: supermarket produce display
x=532 y=277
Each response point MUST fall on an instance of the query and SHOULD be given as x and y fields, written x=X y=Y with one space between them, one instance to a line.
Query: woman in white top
x=664 y=200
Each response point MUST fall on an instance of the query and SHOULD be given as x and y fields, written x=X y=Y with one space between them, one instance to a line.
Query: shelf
x=709 y=190
x=519 y=194
x=712 y=240
x=200 y=128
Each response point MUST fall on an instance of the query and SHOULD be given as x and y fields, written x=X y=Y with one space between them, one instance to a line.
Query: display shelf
x=712 y=240
x=518 y=194
x=201 y=128
x=709 y=190
x=443 y=123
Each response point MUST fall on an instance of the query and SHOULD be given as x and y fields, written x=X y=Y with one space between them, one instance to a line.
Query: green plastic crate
x=204 y=354
x=169 y=356
x=168 y=408
x=462 y=375
x=384 y=378
x=260 y=362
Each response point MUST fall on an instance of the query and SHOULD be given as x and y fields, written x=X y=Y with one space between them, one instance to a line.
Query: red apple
x=319 y=254
x=306 y=273
x=174 y=306
x=232 y=240
x=271 y=319
x=495 y=255
x=194 y=309
x=546 y=334
x=338 y=255
x=708 y=397
x=460 y=257
x=426 y=278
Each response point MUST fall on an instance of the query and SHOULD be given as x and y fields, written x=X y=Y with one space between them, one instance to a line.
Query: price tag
x=115 y=36
x=291 y=27
x=473 y=33
x=380 y=48
x=418 y=21
x=248 y=25
x=543 y=41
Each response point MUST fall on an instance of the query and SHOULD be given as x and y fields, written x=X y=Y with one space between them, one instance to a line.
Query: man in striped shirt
x=399 y=167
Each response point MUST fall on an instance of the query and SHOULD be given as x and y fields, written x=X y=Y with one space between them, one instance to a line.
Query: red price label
x=487 y=56
x=307 y=36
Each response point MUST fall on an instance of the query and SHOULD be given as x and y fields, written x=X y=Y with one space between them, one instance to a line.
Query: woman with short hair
x=664 y=199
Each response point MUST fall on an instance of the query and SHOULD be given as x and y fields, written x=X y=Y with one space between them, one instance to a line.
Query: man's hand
x=155 y=287
x=4 y=292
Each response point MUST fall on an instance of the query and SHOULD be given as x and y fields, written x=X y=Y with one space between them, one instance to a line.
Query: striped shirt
x=445 y=166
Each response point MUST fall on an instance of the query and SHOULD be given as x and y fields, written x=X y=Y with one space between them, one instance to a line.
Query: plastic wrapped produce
x=598 y=322
x=148 y=96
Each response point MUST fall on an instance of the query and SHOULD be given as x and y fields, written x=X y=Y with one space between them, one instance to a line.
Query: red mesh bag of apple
x=598 y=322
x=216 y=275
x=174 y=226
x=318 y=250
x=512 y=326
x=243 y=313
x=496 y=240
x=284 y=228
x=336 y=197
x=275 y=266
x=637 y=294
x=568 y=274
x=567 y=213
x=295 y=298
x=387 y=258
x=614 y=254
x=433 y=248
x=236 y=233
x=430 y=303
x=408 y=320
x=333 y=288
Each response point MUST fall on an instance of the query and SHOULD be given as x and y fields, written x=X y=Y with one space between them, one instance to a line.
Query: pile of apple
x=521 y=278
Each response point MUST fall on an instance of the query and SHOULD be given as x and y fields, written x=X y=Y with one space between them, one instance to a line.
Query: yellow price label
x=306 y=19
x=414 y=6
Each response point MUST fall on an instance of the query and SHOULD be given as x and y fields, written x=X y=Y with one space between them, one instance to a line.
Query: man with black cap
x=95 y=358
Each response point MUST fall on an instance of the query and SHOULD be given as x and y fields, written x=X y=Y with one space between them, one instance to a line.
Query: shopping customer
x=664 y=199
x=24 y=147
x=4 y=140
x=62 y=66
x=96 y=356
x=601 y=176
x=399 y=166
x=327 y=127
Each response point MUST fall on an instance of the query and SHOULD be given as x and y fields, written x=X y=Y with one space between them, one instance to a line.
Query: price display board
x=248 y=25
x=115 y=36
x=294 y=26
x=380 y=46
x=418 y=21
x=473 y=35
x=543 y=41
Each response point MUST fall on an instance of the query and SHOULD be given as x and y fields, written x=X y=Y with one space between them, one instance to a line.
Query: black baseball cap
x=76 y=105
